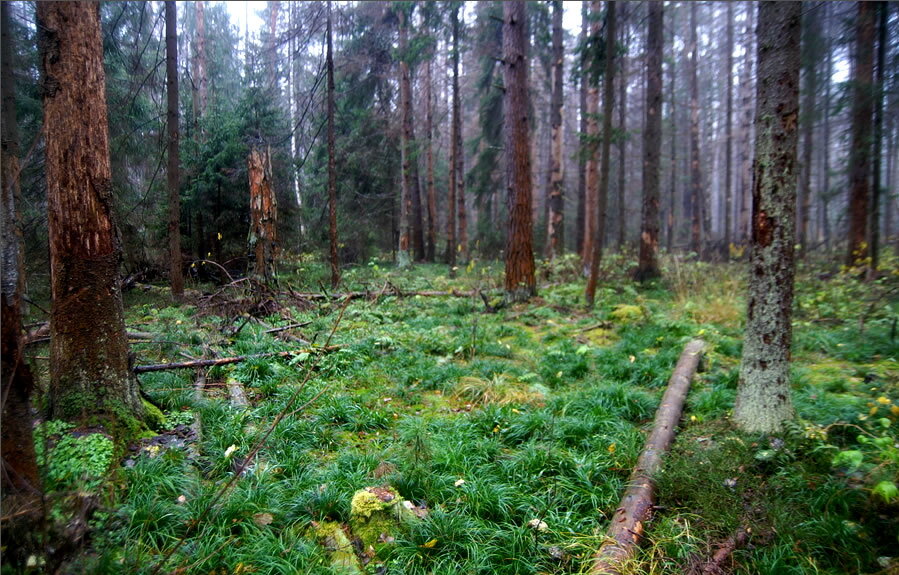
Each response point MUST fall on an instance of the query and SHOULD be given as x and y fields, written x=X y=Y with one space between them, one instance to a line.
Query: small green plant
x=69 y=458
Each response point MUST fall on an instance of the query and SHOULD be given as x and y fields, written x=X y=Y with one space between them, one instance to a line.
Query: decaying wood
x=237 y=394
x=626 y=527
x=375 y=295
x=226 y=360
x=714 y=566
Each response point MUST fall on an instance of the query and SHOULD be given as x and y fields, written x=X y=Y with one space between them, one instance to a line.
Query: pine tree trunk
x=556 y=219
x=455 y=122
x=432 y=189
x=860 y=145
x=591 y=177
x=746 y=138
x=90 y=376
x=763 y=394
x=173 y=174
x=648 y=266
x=332 y=163
x=807 y=118
x=672 y=198
x=608 y=103
x=879 y=88
x=622 y=137
x=696 y=191
x=202 y=79
x=729 y=131
x=19 y=468
x=263 y=214
x=583 y=90
x=520 y=281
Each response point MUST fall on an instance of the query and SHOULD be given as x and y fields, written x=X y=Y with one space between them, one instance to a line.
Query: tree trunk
x=582 y=132
x=729 y=131
x=432 y=189
x=461 y=214
x=455 y=122
x=807 y=118
x=696 y=191
x=201 y=79
x=622 y=137
x=520 y=281
x=173 y=174
x=90 y=377
x=608 y=103
x=825 y=168
x=332 y=164
x=763 y=393
x=879 y=89
x=19 y=467
x=591 y=177
x=263 y=214
x=556 y=219
x=404 y=256
x=860 y=145
x=746 y=129
x=648 y=266
x=672 y=198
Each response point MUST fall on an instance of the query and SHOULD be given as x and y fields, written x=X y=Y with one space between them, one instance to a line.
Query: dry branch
x=626 y=527
x=226 y=360
x=375 y=295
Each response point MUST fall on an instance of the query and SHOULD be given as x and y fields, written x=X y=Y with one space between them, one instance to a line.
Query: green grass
x=492 y=421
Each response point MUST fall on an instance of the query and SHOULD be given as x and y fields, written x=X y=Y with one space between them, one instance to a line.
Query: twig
x=228 y=360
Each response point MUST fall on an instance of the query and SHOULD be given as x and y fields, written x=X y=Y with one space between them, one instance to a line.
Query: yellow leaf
x=430 y=544
x=873 y=410
x=883 y=400
x=220 y=236
x=611 y=448
x=895 y=410
x=496 y=429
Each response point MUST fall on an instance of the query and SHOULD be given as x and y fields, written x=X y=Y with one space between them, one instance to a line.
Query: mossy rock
x=377 y=514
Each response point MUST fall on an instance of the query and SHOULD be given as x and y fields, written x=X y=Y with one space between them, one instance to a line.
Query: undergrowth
x=515 y=431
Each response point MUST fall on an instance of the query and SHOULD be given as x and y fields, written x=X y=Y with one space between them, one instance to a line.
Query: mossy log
x=626 y=527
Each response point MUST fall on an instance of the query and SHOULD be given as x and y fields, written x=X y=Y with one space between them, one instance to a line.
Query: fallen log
x=226 y=360
x=626 y=527
x=376 y=295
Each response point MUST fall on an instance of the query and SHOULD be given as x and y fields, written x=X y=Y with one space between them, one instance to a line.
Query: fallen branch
x=391 y=292
x=714 y=565
x=287 y=327
x=226 y=360
x=626 y=527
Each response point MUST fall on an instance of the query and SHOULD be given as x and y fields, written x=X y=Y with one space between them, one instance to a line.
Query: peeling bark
x=263 y=214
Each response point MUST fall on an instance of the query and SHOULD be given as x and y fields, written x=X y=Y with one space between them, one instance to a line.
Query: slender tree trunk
x=807 y=118
x=746 y=128
x=332 y=163
x=608 y=103
x=174 y=169
x=263 y=213
x=580 y=217
x=404 y=257
x=454 y=153
x=556 y=219
x=520 y=281
x=461 y=214
x=672 y=97
x=622 y=136
x=591 y=178
x=696 y=191
x=432 y=189
x=763 y=394
x=729 y=131
x=825 y=186
x=202 y=79
x=90 y=376
x=860 y=145
x=19 y=467
x=874 y=224
x=648 y=266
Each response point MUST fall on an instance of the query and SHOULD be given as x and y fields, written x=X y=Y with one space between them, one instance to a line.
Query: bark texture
x=263 y=213
x=556 y=220
x=696 y=191
x=580 y=216
x=173 y=170
x=648 y=265
x=626 y=528
x=763 y=395
x=608 y=103
x=89 y=366
x=729 y=130
x=860 y=145
x=431 y=243
x=591 y=169
x=455 y=123
x=520 y=281
x=332 y=164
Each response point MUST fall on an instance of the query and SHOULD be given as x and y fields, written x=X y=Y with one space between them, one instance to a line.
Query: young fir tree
x=763 y=394
x=90 y=375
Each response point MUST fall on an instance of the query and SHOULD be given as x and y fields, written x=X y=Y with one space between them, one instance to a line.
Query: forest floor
x=510 y=434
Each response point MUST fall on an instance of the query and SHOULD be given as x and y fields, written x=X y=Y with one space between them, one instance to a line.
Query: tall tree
x=592 y=74
x=729 y=128
x=763 y=394
x=583 y=89
x=263 y=213
x=173 y=172
x=19 y=473
x=332 y=165
x=454 y=161
x=556 y=220
x=520 y=281
x=672 y=105
x=696 y=191
x=90 y=376
x=404 y=257
x=860 y=144
x=874 y=224
x=745 y=204
x=621 y=136
x=810 y=59
x=431 y=242
x=648 y=266
x=608 y=103
x=459 y=155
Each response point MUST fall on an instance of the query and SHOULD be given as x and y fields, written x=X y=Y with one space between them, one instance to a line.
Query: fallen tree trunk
x=626 y=527
x=382 y=293
x=226 y=360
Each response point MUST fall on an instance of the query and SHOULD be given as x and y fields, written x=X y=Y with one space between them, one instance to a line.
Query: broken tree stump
x=626 y=528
